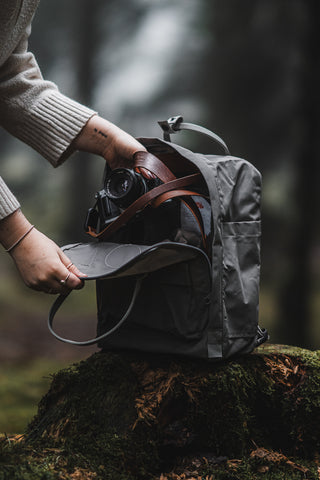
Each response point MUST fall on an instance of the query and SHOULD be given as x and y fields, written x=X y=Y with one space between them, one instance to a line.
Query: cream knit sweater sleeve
x=8 y=202
x=34 y=110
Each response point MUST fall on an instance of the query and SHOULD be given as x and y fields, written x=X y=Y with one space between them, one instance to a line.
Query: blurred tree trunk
x=261 y=84
x=296 y=295
x=86 y=42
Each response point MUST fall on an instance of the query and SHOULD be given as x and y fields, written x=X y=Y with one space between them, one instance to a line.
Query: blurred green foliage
x=21 y=388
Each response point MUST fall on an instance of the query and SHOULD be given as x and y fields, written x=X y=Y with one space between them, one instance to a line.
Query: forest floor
x=29 y=355
x=135 y=432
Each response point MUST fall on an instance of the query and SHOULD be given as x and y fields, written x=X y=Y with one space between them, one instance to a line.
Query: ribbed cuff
x=8 y=202
x=54 y=123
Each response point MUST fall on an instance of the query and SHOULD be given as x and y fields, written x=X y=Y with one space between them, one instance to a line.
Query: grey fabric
x=113 y=260
x=234 y=187
x=170 y=314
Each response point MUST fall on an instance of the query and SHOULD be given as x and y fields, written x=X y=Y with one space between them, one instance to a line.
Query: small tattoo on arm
x=100 y=133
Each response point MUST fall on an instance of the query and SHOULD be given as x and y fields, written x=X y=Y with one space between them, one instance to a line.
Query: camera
x=122 y=186
x=170 y=221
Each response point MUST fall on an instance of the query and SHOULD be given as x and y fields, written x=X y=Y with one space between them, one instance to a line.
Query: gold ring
x=70 y=265
x=63 y=282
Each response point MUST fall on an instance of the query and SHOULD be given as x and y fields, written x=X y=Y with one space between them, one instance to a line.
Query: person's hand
x=42 y=264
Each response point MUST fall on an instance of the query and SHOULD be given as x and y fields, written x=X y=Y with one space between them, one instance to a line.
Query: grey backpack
x=176 y=262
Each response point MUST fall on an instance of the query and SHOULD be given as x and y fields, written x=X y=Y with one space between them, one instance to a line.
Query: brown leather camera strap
x=189 y=202
x=171 y=188
x=143 y=201
x=153 y=164
x=173 y=194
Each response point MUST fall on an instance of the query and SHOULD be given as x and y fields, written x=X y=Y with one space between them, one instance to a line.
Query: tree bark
x=85 y=48
x=296 y=296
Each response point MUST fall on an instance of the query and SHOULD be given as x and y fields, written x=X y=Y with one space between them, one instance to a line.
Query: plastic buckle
x=170 y=126
x=262 y=336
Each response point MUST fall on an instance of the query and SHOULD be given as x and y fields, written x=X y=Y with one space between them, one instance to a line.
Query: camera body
x=121 y=187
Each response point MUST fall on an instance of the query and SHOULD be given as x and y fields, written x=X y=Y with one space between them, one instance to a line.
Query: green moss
x=272 y=466
x=26 y=472
x=89 y=411
x=295 y=399
x=17 y=463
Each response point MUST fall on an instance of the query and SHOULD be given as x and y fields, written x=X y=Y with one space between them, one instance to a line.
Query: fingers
x=73 y=272
x=72 y=268
x=146 y=173
x=64 y=277
x=71 y=279
x=62 y=285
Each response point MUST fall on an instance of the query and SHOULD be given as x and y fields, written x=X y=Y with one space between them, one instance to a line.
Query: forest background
x=246 y=69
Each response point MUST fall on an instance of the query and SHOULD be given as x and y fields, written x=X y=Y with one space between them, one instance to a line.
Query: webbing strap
x=175 y=124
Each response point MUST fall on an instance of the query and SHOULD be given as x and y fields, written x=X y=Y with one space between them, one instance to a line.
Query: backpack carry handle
x=59 y=301
x=175 y=124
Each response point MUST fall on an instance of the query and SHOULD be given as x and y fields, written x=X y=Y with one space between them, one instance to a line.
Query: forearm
x=101 y=137
x=95 y=136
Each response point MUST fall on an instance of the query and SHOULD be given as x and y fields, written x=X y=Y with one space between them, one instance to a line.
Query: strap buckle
x=170 y=126
x=262 y=336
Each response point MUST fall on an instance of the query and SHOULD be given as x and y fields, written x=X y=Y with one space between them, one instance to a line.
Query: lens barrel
x=123 y=186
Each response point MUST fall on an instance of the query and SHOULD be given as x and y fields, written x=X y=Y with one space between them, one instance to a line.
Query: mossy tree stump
x=129 y=416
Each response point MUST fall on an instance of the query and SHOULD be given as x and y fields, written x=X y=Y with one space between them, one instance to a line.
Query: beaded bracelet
x=19 y=240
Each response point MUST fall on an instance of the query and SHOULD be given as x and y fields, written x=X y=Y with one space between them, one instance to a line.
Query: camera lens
x=120 y=186
x=124 y=186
